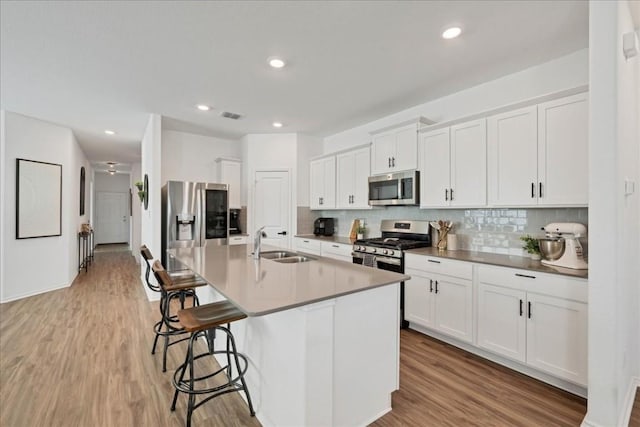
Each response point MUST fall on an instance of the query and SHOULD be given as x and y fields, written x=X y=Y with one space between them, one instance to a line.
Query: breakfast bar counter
x=322 y=337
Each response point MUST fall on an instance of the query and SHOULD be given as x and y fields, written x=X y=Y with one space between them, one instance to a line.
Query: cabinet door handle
x=321 y=200
x=533 y=190
x=335 y=246
x=430 y=285
x=521 y=303
x=305 y=241
x=446 y=194
x=282 y=233
x=540 y=190
x=393 y=162
x=436 y=286
x=389 y=159
x=525 y=275
x=529 y=309
x=433 y=261
x=451 y=193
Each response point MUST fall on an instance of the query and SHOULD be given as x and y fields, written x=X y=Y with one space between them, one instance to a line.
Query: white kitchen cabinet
x=537 y=156
x=440 y=295
x=418 y=299
x=563 y=162
x=557 y=337
x=238 y=239
x=453 y=166
x=395 y=149
x=229 y=172
x=323 y=183
x=536 y=319
x=512 y=145
x=502 y=321
x=309 y=246
x=353 y=170
x=337 y=251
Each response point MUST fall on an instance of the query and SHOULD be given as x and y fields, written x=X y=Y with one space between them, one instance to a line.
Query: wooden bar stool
x=168 y=326
x=205 y=321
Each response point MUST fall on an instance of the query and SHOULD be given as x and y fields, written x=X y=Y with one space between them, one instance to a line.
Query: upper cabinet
x=230 y=173
x=453 y=166
x=323 y=183
x=352 y=179
x=537 y=156
x=396 y=149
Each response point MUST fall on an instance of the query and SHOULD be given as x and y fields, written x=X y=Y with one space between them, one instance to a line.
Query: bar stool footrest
x=231 y=385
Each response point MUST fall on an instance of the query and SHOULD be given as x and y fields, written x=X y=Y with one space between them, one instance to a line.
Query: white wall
x=118 y=183
x=563 y=73
x=150 y=219
x=56 y=257
x=190 y=157
x=614 y=306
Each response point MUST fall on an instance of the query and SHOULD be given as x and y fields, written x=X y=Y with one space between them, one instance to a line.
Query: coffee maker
x=323 y=227
x=234 y=221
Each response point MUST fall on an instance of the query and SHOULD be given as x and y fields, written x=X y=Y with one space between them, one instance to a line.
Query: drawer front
x=238 y=240
x=310 y=246
x=337 y=249
x=532 y=281
x=461 y=269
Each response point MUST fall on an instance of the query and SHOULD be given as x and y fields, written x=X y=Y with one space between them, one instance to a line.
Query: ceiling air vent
x=228 y=115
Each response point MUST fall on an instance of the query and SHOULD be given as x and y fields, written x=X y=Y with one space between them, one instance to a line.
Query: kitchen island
x=322 y=336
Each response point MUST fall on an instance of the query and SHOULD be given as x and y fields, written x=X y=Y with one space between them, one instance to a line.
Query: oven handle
x=378 y=258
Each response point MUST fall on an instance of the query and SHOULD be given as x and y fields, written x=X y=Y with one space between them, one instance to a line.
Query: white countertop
x=259 y=287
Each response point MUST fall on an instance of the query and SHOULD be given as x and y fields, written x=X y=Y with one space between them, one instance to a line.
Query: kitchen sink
x=286 y=257
x=277 y=254
x=295 y=259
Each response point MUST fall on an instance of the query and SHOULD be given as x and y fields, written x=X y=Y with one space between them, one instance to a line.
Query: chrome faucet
x=257 y=242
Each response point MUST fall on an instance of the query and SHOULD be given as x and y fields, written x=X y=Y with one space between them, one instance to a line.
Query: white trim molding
x=629 y=399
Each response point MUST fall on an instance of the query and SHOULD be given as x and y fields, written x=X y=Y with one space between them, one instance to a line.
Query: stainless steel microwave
x=402 y=188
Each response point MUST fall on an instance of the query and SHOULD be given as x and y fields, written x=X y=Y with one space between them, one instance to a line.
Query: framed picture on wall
x=38 y=199
x=82 y=190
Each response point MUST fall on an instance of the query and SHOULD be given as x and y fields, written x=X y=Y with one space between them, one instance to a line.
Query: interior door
x=112 y=218
x=272 y=201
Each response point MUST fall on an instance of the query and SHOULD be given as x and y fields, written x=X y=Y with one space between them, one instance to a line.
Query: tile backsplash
x=485 y=230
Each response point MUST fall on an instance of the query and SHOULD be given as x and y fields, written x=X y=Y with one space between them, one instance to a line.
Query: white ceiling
x=97 y=65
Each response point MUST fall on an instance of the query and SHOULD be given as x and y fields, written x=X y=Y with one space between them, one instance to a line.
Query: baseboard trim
x=31 y=294
x=627 y=407
x=629 y=399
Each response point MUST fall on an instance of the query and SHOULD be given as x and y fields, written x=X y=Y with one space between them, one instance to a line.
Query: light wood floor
x=635 y=412
x=81 y=357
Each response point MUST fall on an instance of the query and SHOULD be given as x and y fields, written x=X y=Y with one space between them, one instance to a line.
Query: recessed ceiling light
x=451 y=33
x=276 y=62
x=277 y=124
x=112 y=172
x=109 y=132
x=203 y=107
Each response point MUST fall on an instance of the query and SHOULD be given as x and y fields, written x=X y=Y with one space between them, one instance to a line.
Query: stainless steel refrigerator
x=193 y=214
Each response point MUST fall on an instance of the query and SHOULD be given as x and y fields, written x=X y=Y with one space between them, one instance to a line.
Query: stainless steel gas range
x=387 y=252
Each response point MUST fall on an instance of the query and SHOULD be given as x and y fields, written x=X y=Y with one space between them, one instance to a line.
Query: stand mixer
x=564 y=234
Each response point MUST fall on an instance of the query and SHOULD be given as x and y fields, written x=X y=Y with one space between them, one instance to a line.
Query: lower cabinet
x=337 y=251
x=238 y=239
x=547 y=332
x=439 y=301
x=309 y=246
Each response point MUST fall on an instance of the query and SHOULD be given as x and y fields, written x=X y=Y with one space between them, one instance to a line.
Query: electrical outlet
x=629 y=187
